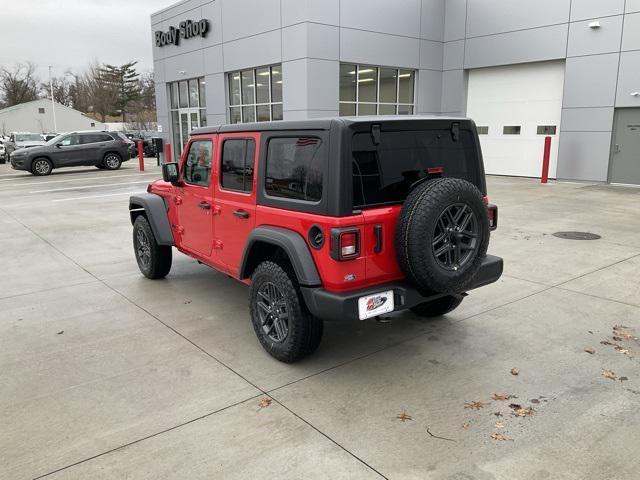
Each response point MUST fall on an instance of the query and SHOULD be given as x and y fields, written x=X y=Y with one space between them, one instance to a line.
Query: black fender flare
x=294 y=246
x=155 y=210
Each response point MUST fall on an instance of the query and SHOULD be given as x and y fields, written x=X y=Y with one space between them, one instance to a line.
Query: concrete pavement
x=104 y=374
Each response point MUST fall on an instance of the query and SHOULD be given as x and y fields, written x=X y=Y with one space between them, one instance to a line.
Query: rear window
x=383 y=174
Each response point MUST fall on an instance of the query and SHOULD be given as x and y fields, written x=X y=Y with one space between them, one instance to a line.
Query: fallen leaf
x=474 y=405
x=497 y=414
x=500 y=437
x=466 y=425
x=60 y=332
x=265 y=402
x=590 y=332
x=607 y=342
x=534 y=400
x=622 y=350
x=515 y=406
x=617 y=339
x=499 y=425
x=623 y=379
x=187 y=302
x=619 y=327
x=524 y=412
x=515 y=371
x=501 y=397
x=610 y=374
x=590 y=350
x=403 y=417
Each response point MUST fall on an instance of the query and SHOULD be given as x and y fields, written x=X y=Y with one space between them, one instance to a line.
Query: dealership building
x=522 y=69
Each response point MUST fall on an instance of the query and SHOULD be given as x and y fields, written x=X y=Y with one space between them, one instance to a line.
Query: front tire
x=438 y=307
x=284 y=326
x=41 y=167
x=111 y=161
x=154 y=261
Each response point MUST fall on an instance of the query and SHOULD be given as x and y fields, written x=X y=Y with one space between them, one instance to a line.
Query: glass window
x=174 y=95
x=234 y=89
x=388 y=85
x=193 y=93
x=197 y=166
x=248 y=87
x=405 y=89
x=71 y=140
x=511 y=130
x=347 y=83
x=175 y=128
x=294 y=168
x=276 y=111
x=384 y=173
x=370 y=90
x=95 y=138
x=483 y=130
x=236 y=172
x=184 y=94
x=367 y=109
x=203 y=118
x=276 y=84
x=546 y=129
x=202 y=92
x=262 y=85
x=367 y=84
x=255 y=95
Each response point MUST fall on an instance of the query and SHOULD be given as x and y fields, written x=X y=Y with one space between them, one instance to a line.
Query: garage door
x=515 y=107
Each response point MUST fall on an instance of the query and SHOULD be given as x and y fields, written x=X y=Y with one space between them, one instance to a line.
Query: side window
x=88 y=138
x=294 y=169
x=236 y=172
x=197 y=166
x=70 y=140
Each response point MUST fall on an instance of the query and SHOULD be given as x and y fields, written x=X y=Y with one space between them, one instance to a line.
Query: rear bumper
x=333 y=306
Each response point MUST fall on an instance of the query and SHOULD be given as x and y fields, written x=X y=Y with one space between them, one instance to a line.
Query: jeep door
x=194 y=198
x=235 y=192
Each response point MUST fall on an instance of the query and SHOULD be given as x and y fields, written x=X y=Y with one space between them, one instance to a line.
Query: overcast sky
x=72 y=33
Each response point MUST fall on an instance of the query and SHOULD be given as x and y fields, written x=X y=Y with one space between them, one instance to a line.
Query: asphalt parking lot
x=104 y=374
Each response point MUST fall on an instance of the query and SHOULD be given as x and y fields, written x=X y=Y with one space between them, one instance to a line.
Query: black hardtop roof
x=317 y=124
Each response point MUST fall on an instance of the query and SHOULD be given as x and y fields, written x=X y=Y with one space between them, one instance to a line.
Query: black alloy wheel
x=273 y=312
x=455 y=239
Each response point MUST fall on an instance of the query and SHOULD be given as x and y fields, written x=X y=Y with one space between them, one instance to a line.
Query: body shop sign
x=185 y=30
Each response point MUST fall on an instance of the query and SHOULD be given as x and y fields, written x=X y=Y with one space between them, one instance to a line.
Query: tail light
x=345 y=243
x=493 y=216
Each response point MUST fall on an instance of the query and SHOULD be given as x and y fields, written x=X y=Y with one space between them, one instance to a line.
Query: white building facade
x=38 y=117
x=523 y=70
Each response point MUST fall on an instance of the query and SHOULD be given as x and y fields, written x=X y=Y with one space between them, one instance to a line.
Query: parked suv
x=339 y=219
x=19 y=140
x=104 y=150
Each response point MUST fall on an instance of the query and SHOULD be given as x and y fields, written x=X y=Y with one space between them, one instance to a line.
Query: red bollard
x=167 y=153
x=545 y=160
x=141 y=155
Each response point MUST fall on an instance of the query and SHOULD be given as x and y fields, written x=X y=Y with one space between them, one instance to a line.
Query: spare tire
x=442 y=235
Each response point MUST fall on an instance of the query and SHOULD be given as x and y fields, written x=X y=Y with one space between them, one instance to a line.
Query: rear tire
x=111 y=161
x=154 y=261
x=41 y=167
x=284 y=326
x=438 y=307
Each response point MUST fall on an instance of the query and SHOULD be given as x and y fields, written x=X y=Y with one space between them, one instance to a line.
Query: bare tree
x=142 y=112
x=19 y=84
x=62 y=89
x=93 y=93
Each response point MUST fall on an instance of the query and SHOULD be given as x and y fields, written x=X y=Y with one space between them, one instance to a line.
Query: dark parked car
x=104 y=150
x=147 y=139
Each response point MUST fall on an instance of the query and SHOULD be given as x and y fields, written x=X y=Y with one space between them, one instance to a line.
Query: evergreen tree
x=124 y=80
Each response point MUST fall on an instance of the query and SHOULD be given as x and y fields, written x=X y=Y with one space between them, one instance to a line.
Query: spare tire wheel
x=442 y=235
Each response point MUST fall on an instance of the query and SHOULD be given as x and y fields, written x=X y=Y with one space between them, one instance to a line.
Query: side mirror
x=58 y=145
x=170 y=173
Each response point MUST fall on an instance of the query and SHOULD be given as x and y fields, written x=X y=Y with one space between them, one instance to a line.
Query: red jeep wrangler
x=334 y=219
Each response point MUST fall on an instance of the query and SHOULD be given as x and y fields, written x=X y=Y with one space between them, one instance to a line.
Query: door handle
x=204 y=206
x=241 y=214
